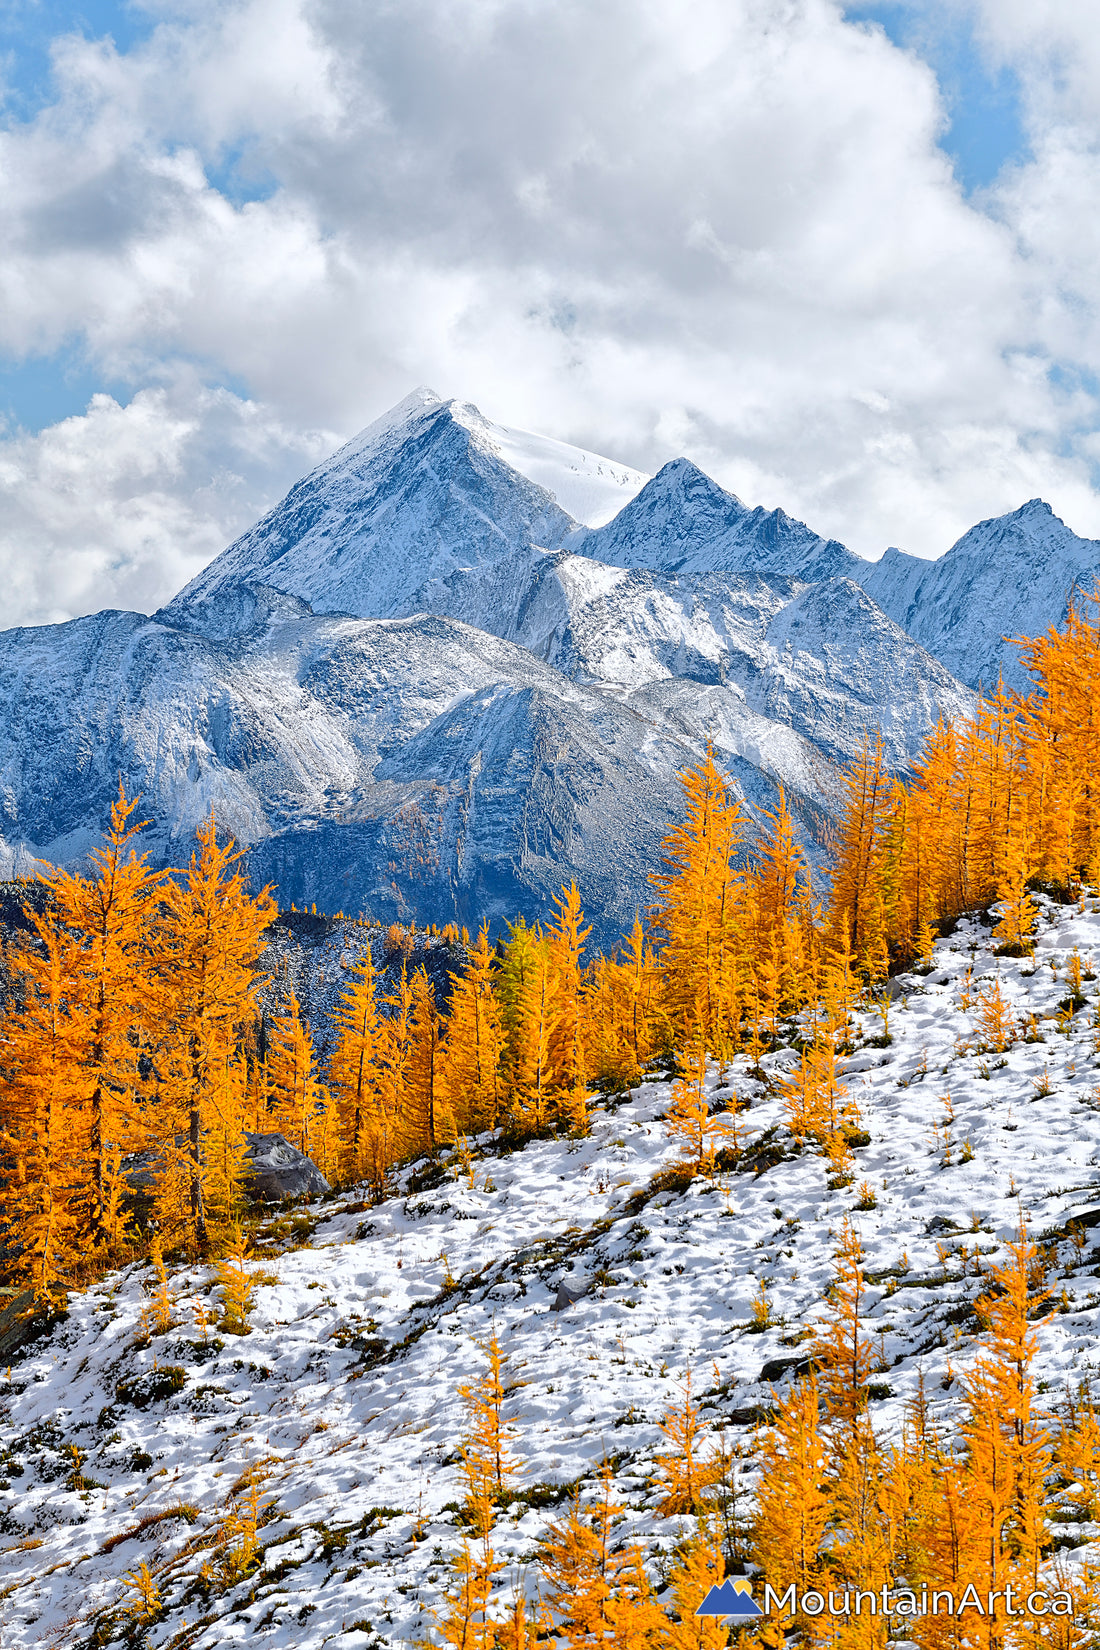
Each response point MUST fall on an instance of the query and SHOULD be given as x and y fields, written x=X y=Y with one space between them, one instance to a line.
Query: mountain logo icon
x=732 y=1598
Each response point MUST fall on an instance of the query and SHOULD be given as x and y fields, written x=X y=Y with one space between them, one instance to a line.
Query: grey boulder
x=279 y=1172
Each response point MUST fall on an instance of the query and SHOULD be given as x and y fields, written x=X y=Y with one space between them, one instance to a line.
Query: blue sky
x=38 y=391
x=27 y=28
x=983 y=101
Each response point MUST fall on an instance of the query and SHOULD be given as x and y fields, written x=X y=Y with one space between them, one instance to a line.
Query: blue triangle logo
x=731 y=1599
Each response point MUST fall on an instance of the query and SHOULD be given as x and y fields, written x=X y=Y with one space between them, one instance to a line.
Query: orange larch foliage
x=210 y=938
x=474 y=1042
x=45 y=1124
x=110 y=964
x=299 y=1104
x=699 y=913
x=353 y=1079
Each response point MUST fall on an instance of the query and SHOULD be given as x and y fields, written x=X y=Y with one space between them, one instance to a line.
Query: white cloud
x=122 y=506
x=721 y=228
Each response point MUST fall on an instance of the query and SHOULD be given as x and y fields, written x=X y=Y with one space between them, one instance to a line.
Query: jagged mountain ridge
x=413 y=767
x=683 y=522
x=319 y=683
x=771 y=653
x=1009 y=576
x=422 y=491
x=434 y=490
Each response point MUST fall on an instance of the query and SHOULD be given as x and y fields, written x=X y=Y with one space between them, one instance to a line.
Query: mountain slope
x=343 y=1405
x=1009 y=576
x=414 y=767
x=819 y=659
x=420 y=768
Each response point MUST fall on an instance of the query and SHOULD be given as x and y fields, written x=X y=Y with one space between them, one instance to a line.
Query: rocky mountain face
x=683 y=522
x=420 y=493
x=412 y=768
x=459 y=664
x=1011 y=576
x=751 y=659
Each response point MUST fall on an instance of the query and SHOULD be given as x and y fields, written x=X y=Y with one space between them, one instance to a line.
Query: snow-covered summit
x=684 y=522
x=430 y=487
x=1009 y=576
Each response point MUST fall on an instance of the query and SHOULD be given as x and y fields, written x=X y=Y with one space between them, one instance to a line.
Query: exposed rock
x=22 y=1321
x=568 y=1295
x=776 y=1368
x=279 y=1172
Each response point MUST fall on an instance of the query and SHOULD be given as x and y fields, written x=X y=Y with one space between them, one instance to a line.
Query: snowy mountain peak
x=1011 y=575
x=429 y=488
x=685 y=522
x=590 y=488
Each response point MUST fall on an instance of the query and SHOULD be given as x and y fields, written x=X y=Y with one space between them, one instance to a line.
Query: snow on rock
x=431 y=487
x=342 y=1402
x=1009 y=576
x=416 y=768
x=683 y=522
x=589 y=488
x=433 y=772
x=821 y=659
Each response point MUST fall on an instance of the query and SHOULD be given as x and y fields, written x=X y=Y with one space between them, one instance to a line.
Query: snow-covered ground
x=342 y=1402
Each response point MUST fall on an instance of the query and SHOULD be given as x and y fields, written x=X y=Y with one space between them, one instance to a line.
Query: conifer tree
x=428 y=1117
x=211 y=937
x=353 y=1075
x=487 y=1452
x=596 y=1595
x=1077 y=1455
x=698 y=911
x=111 y=916
x=565 y=939
x=465 y=1622
x=861 y=1544
x=640 y=976
x=698 y=1567
x=1008 y=1449
x=532 y=1016
x=843 y=1357
x=688 y=1467
x=297 y=1099
x=688 y=1118
x=394 y=1053
x=814 y=1098
x=1017 y=920
x=793 y=1508
x=474 y=1042
x=44 y=1114
x=856 y=907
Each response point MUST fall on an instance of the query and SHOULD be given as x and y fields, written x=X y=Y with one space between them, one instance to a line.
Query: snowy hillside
x=341 y=1404
x=1006 y=577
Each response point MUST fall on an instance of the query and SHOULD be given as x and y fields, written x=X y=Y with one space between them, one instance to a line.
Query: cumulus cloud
x=120 y=507
x=720 y=229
